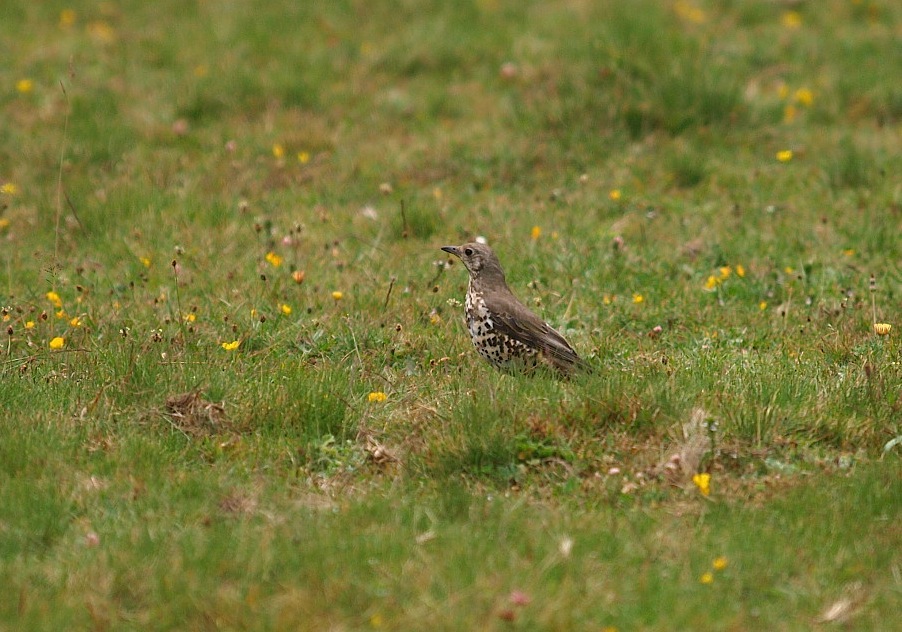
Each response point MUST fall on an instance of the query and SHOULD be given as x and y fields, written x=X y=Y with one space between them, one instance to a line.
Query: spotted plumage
x=503 y=330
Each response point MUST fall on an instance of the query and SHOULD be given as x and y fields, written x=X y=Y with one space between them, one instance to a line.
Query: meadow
x=236 y=389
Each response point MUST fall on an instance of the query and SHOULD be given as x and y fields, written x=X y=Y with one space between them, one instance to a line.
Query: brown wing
x=514 y=319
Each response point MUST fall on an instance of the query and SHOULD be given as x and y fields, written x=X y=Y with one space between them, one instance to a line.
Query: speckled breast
x=499 y=349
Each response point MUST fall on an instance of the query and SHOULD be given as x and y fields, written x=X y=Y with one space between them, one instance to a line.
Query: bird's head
x=478 y=259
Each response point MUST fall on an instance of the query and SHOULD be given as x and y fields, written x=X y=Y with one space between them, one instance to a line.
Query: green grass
x=186 y=175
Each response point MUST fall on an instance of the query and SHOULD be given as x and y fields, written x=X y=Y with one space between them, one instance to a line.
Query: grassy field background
x=236 y=391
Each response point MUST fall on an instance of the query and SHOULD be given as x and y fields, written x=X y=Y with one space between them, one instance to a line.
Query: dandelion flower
x=274 y=259
x=791 y=19
x=689 y=12
x=785 y=155
x=190 y=317
x=3 y=223
x=9 y=188
x=703 y=482
x=706 y=578
x=54 y=298
x=24 y=86
x=882 y=329
x=849 y=252
x=720 y=563
x=336 y=295
x=740 y=270
x=278 y=150
x=376 y=396
x=762 y=305
x=285 y=309
x=614 y=195
x=29 y=324
x=804 y=96
x=638 y=298
x=535 y=233
x=231 y=346
x=58 y=343
x=711 y=282
x=725 y=272
x=67 y=18
x=145 y=261
x=298 y=276
x=303 y=157
x=75 y=322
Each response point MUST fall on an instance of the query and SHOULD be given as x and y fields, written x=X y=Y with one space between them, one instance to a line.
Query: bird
x=503 y=330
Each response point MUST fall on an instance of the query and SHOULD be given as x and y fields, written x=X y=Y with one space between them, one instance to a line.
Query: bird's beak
x=451 y=249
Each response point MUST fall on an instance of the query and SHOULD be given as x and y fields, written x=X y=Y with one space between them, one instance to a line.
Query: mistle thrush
x=503 y=330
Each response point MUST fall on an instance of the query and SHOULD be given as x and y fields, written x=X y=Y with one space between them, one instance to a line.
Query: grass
x=265 y=412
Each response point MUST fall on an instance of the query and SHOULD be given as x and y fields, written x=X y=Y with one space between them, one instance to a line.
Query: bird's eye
x=468 y=252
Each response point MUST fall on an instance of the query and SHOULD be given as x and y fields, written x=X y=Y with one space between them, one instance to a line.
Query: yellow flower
x=24 y=85
x=689 y=12
x=437 y=193
x=720 y=563
x=3 y=223
x=145 y=261
x=536 y=233
x=789 y=270
x=9 y=188
x=201 y=70
x=791 y=19
x=231 y=346
x=725 y=272
x=376 y=396
x=804 y=96
x=785 y=155
x=29 y=324
x=638 y=298
x=783 y=91
x=286 y=309
x=54 y=298
x=607 y=299
x=303 y=157
x=703 y=482
x=615 y=195
x=75 y=322
x=274 y=259
x=762 y=305
x=434 y=318
x=67 y=17
x=706 y=578
x=882 y=329
x=102 y=32
x=740 y=270
x=190 y=317
x=337 y=295
x=849 y=252
x=61 y=314
x=711 y=282
x=58 y=343
x=298 y=276
x=278 y=150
